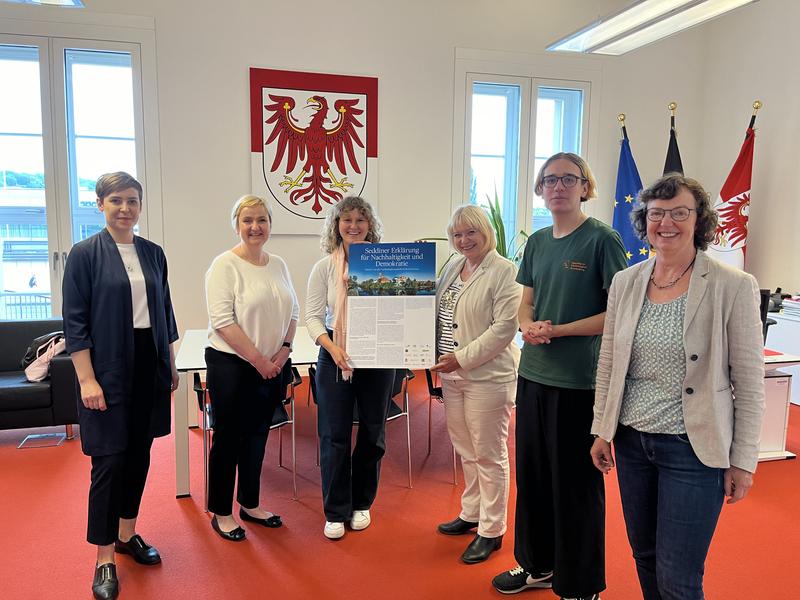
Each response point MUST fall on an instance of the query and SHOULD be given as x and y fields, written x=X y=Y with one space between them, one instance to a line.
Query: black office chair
x=766 y=322
x=281 y=417
x=402 y=377
x=435 y=392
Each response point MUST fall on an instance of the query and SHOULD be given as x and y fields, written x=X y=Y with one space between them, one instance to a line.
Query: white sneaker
x=360 y=520
x=333 y=531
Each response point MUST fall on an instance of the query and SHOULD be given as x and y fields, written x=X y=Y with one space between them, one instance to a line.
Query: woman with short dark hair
x=119 y=327
x=680 y=389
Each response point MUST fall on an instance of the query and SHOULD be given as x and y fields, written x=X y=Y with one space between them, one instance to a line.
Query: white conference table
x=190 y=359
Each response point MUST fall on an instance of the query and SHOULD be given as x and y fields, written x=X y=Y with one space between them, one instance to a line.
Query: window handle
x=55 y=261
x=64 y=258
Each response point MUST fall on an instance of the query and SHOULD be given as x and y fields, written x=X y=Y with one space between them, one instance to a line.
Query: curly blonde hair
x=331 y=238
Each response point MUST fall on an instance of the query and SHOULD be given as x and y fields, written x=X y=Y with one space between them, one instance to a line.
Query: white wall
x=204 y=49
x=753 y=54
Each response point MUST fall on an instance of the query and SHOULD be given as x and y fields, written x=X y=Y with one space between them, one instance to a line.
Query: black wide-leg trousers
x=560 y=514
x=243 y=404
x=118 y=480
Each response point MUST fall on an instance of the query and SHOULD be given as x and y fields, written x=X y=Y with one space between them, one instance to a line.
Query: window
x=80 y=108
x=494 y=148
x=559 y=128
x=517 y=111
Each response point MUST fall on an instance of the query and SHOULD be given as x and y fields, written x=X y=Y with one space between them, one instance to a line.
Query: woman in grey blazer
x=477 y=299
x=680 y=389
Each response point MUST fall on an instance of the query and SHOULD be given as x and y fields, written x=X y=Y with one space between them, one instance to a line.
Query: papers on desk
x=791 y=307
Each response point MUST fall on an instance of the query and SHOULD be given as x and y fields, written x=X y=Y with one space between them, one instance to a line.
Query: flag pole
x=756 y=105
x=621 y=119
x=672 y=106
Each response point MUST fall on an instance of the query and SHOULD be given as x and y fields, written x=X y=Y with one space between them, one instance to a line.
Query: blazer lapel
x=487 y=260
x=638 y=292
x=697 y=289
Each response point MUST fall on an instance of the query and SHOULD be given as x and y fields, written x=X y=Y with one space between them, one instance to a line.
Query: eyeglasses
x=567 y=180
x=679 y=213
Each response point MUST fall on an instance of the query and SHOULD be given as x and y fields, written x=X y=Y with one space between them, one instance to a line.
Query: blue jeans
x=671 y=502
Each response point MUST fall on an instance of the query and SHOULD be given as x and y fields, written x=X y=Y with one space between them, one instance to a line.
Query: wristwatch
x=287 y=345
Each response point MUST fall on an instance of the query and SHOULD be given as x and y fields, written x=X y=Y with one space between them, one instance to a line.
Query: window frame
x=45 y=29
x=538 y=71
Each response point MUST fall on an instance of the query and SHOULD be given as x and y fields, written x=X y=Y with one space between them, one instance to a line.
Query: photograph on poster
x=391 y=310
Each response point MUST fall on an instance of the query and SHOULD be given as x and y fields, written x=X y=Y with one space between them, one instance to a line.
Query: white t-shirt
x=141 y=316
x=261 y=300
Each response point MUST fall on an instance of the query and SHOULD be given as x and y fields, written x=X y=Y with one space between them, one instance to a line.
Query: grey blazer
x=484 y=319
x=723 y=392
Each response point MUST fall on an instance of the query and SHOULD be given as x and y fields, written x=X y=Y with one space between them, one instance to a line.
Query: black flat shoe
x=237 y=535
x=142 y=552
x=271 y=522
x=105 y=585
x=457 y=526
x=480 y=548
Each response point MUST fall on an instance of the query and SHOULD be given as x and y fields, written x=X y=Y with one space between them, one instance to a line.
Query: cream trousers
x=478 y=413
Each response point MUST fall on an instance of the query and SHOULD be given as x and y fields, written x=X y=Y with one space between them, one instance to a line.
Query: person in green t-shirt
x=566 y=271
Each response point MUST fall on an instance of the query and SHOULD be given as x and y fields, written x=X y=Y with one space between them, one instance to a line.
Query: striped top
x=447 y=305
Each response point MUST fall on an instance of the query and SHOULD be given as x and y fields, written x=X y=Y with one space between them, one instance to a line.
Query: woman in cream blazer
x=477 y=300
x=679 y=389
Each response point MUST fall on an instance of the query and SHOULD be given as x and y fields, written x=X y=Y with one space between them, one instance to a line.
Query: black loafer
x=237 y=535
x=272 y=522
x=480 y=548
x=105 y=585
x=457 y=526
x=142 y=552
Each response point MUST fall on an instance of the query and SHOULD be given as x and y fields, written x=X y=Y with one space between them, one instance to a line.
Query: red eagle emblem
x=316 y=146
x=731 y=232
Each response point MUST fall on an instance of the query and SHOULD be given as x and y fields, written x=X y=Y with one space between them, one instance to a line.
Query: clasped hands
x=538 y=332
x=272 y=367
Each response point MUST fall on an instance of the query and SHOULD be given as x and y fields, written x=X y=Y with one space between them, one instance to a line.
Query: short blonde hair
x=583 y=166
x=248 y=201
x=473 y=217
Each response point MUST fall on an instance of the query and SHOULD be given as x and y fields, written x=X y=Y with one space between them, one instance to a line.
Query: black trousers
x=118 y=480
x=560 y=516
x=242 y=405
x=350 y=482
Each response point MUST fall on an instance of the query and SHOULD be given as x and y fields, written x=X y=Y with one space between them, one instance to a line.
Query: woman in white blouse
x=252 y=312
x=477 y=299
x=349 y=483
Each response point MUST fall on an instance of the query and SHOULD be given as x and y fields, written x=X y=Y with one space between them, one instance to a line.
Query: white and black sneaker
x=518 y=580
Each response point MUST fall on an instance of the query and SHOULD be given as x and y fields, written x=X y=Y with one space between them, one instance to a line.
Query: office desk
x=191 y=358
x=777 y=394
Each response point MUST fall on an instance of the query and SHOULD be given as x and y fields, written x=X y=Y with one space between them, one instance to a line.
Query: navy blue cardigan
x=98 y=315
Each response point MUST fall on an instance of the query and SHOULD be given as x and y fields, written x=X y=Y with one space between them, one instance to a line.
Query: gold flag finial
x=621 y=118
x=756 y=105
x=672 y=106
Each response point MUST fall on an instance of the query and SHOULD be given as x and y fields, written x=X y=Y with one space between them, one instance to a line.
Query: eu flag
x=629 y=184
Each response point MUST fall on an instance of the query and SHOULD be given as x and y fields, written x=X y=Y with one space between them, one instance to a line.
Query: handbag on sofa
x=39 y=369
x=32 y=353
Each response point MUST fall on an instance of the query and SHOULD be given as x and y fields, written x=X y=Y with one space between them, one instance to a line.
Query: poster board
x=391 y=305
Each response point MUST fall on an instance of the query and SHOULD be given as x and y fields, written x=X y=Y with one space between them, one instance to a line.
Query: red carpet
x=43 y=505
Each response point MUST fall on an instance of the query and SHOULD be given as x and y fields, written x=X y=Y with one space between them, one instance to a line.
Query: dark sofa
x=54 y=401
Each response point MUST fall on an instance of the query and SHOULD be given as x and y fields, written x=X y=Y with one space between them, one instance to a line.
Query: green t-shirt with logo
x=570 y=277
